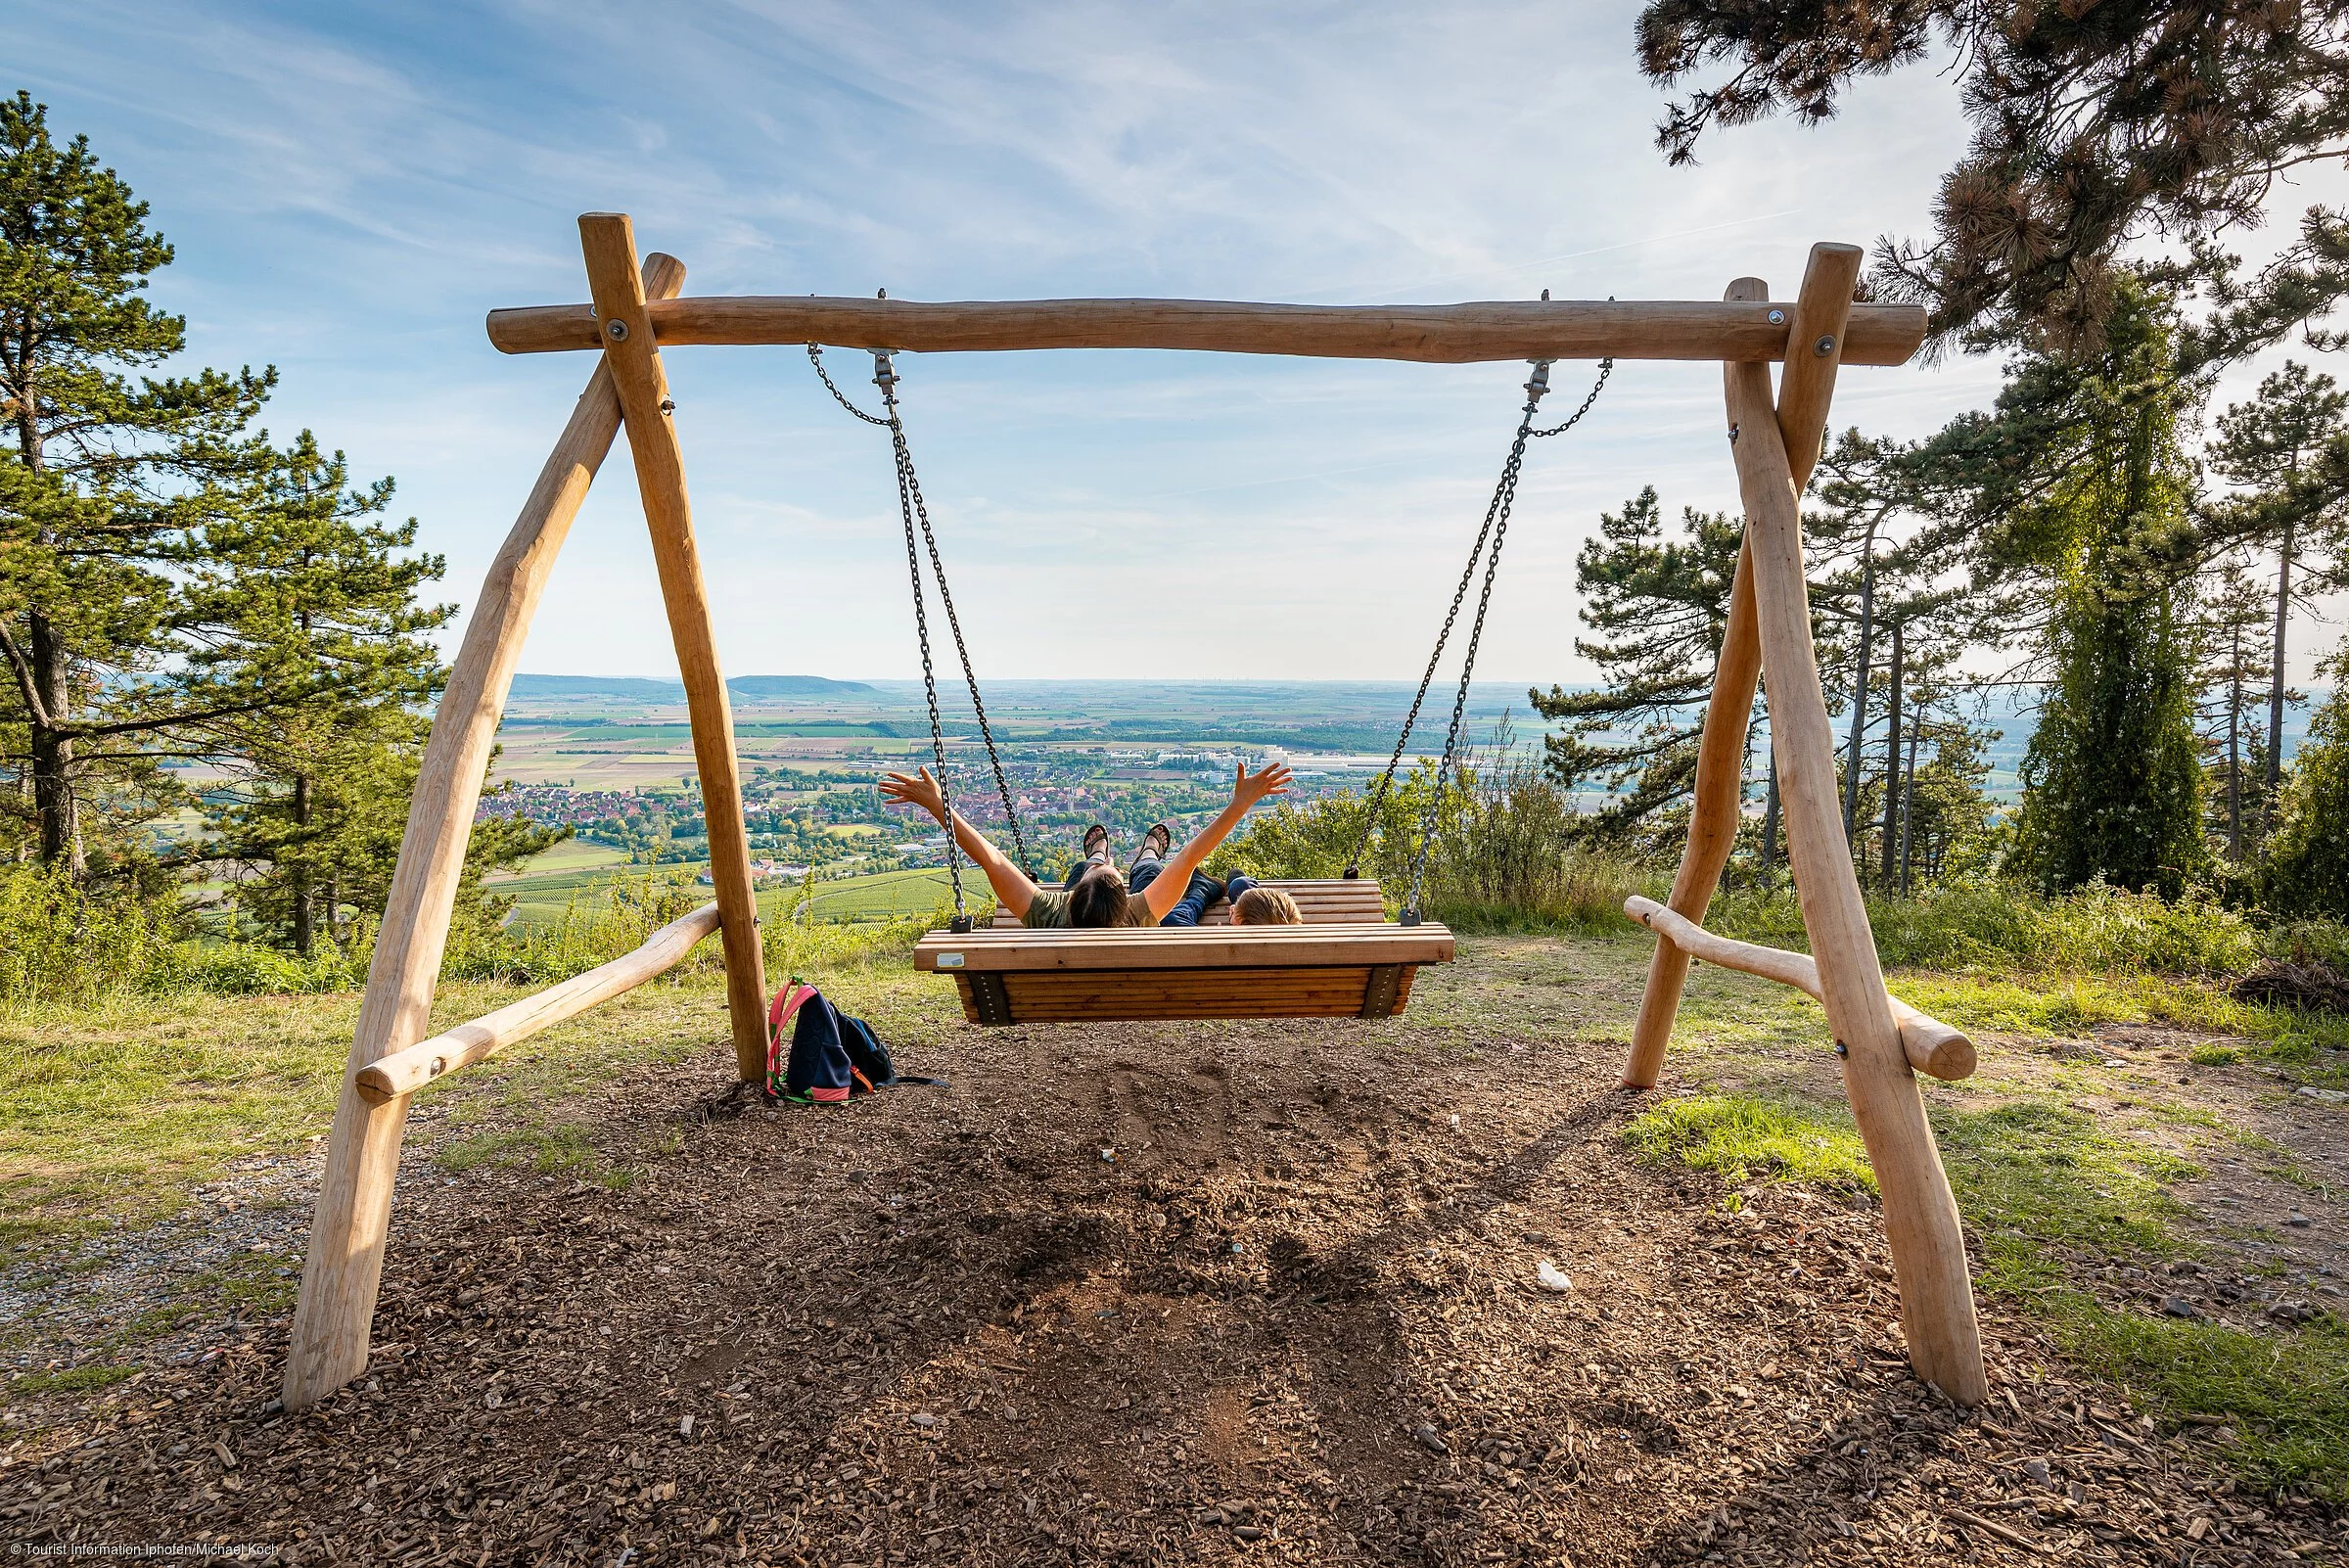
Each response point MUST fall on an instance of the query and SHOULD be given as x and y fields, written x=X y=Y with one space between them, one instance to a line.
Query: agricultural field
x=542 y=897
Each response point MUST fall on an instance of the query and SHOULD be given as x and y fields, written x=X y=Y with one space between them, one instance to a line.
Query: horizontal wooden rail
x=1932 y=1046
x=1182 y=948
x=1456 y=334
x=405 y=1072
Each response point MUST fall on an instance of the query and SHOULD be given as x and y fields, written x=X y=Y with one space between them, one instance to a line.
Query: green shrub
x=601 y=922
x=243 y=969
x=2309 y=941
x=2113 y=930
x=59 y=941
x=2098 y=930
x=1508 y=852
x=1317 y=838
x=2305 y=865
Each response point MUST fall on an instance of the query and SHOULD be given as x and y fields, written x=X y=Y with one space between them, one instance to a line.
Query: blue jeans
x=1202 y=892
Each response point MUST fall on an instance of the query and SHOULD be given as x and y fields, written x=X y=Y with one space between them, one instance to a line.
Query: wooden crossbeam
x=1456 y=333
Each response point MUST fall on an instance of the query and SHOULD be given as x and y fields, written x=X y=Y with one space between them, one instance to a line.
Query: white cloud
x=351 y=187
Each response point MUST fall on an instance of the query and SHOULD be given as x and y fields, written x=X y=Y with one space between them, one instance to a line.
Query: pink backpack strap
x=788 y=1002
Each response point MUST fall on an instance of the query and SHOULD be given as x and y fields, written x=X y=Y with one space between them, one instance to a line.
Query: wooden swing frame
x=633 y=313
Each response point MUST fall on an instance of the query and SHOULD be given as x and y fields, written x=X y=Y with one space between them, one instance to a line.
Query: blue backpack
x=831 y=1057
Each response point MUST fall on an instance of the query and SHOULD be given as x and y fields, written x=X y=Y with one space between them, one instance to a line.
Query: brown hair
x=1100 y=898
x=1266 y=906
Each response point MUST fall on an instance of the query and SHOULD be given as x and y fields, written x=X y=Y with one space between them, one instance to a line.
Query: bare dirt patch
x=1138 y=1294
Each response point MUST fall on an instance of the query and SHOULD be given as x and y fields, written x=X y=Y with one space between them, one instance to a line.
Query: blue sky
x=351 y=187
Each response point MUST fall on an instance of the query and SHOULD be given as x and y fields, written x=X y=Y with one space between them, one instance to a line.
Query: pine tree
x=2236 y=665
x=2293 y=503
x=1861 y=492
x=1946 y=825
x=2306 y=870
x=110 y=494
x=321 y=598
x=1879 y=553
x=1657 y=608
x=2113 y=780
x=2095 y=126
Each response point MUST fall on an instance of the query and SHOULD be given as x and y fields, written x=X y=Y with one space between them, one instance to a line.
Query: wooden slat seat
x=1326 y=970
x=1323 y=900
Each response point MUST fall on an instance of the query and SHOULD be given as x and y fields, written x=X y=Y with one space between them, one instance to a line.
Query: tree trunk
x=2235 y=741
x=1770 y=818
x=298 y=875
x=1916 y=727
x=51 y=749
x=2284 y=610
x=1867 y=615
x=1892 y=762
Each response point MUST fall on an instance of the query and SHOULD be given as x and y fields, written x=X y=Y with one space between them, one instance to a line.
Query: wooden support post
x=609 y=242
x=1809 y=385
x=1920 y=1216
x=344 y=1265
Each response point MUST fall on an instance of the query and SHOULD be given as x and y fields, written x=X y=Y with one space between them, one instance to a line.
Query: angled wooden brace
x=1920 y=1214
x=344 y=1265
x=1805 y=391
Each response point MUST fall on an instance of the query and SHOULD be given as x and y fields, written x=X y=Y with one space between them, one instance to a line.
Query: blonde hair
x=1266 y=906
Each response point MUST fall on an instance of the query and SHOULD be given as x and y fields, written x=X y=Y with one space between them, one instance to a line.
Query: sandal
x=1157 y=842
x=1096 y=842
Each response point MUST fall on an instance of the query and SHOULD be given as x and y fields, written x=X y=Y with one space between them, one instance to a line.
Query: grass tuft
x=1741 y=1139
x=72 y=1381
x=562 y=1148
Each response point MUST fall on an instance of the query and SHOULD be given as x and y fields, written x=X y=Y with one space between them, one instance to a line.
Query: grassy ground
x=2075 y=1173
x=2079 y=1154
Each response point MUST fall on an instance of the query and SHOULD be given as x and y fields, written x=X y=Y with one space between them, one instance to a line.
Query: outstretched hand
x=916 y=789
x=1249 y=788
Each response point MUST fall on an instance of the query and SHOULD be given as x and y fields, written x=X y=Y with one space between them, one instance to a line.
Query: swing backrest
x=1331 y=970
x=1324 y=902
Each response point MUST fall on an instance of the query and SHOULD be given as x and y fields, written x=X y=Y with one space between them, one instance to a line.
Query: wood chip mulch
x=1236 y=1293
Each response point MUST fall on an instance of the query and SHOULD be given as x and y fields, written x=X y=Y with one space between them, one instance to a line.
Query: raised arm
x=1246 y=790
x=1013 y=889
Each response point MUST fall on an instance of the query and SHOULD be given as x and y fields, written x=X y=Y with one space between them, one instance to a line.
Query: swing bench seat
x=1331 y=967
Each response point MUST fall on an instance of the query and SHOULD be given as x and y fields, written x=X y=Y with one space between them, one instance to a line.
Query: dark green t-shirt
x=1051 y=908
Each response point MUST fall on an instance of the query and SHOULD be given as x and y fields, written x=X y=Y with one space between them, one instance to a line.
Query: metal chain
x=816 y=357
x=1504 y=496
x=913 y=510
x=1606 y=368
x=909 y=485
x=937 y=732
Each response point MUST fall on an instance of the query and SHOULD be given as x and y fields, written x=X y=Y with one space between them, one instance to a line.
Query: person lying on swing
x=1100 y=894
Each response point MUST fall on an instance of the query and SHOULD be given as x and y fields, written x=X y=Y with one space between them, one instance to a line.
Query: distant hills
x=635 y=688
